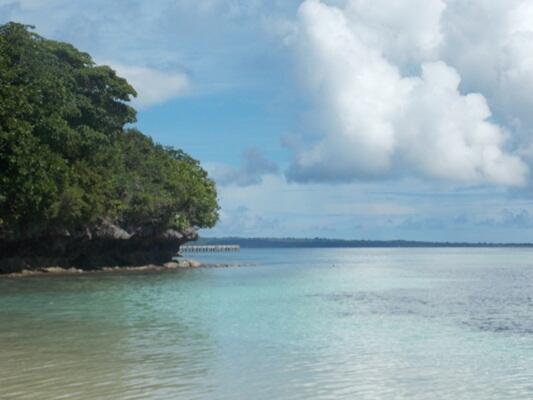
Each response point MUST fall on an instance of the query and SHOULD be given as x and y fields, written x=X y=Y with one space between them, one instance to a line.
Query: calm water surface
x=291 y=324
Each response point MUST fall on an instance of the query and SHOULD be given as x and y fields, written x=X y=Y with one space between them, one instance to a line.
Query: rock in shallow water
x=59 y=270
x=182 y=263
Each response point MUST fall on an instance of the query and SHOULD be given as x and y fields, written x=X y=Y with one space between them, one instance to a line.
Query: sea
x=360 y=323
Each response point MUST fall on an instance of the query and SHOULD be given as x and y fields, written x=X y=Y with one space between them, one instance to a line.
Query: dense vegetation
x=67 y=156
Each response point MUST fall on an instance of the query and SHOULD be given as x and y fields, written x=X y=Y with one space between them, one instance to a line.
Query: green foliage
x=66 y=158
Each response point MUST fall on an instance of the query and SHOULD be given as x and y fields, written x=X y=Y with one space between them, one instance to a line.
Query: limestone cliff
x=103 y=245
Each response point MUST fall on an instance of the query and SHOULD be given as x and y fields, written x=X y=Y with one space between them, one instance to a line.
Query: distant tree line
x=340 y=243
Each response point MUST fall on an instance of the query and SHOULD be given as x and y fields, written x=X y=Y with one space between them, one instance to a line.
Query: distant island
x=339 y=243
x=79 y=185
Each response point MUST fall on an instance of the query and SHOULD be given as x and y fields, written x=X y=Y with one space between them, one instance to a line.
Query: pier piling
x=209 y=248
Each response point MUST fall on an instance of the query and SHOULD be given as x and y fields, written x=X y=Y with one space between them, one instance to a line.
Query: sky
x=359 y=119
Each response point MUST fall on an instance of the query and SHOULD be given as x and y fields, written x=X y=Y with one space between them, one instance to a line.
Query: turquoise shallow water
x=290 y=324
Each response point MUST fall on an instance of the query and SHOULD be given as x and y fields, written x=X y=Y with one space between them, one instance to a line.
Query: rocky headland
x=100 y=247
x=81 y=188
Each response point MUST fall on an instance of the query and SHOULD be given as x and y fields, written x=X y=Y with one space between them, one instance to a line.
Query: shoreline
x=169 y=266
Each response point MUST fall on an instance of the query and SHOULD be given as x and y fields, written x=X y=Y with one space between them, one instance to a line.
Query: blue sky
x=350 y=119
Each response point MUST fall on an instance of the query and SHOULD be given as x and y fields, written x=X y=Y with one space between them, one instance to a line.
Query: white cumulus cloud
x=153 y=86
x=388 y=103
x=490 y=43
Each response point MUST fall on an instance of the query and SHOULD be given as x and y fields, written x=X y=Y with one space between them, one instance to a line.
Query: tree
x=67 y=159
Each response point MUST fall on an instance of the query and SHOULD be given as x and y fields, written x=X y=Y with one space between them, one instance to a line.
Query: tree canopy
x=68 y=157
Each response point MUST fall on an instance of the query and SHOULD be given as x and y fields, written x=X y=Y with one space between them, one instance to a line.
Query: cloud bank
x=389 y=93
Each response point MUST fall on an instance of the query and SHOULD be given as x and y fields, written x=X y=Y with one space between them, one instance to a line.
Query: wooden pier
x=209 y=248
